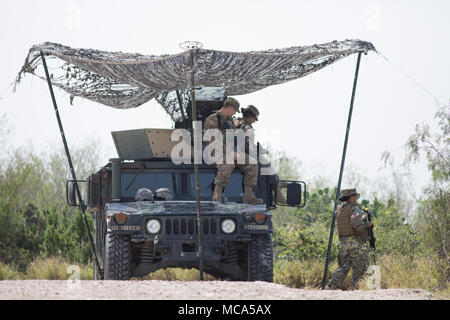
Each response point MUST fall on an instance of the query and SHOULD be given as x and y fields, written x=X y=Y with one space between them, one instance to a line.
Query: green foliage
x=8 y=273
x=435 y=147
x=31 y=233
x=434 y=221
x=399 y=271
x=57 y=268
x=293 y=243
x=300 y=273
x=35 y=220
x=66 y=237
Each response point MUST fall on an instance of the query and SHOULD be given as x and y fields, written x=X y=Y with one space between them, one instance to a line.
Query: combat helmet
x=253 y=110
x=345 y=193
x=144 y=194
x=163 y=194
x=232 y=102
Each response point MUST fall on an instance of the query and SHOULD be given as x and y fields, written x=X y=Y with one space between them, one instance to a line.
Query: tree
x=433 y=220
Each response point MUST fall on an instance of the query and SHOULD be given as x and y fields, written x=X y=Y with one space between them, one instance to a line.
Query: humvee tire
x=260 y=256
x=117 y=257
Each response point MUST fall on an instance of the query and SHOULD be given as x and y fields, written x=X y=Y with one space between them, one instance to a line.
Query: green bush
x=293 y=243
x=57 y=268
x=8 y=273
x=301 y=273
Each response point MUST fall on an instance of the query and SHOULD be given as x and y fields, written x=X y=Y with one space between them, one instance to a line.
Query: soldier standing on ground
x=221 y=120
x=249 y=116
x=353 y=229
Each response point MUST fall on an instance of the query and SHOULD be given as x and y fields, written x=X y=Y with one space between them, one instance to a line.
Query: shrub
x=417 y=271
x=301 y=273
x=8 y=273
x=57 y=268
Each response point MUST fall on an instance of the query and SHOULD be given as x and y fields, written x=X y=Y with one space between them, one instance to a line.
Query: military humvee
x=137 y=237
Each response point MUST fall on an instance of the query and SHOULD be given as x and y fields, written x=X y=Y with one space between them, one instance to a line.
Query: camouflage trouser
x=224 y=171
x=353 y=253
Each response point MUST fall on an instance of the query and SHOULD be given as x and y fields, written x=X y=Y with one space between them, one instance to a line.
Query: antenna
x=190 y=45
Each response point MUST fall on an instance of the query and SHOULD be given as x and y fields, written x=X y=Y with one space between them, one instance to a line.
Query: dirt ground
x=187 y=290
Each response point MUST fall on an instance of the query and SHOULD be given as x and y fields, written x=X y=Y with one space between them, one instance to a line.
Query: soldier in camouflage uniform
x=249 y=116
x=221 y=120
x=353 y=229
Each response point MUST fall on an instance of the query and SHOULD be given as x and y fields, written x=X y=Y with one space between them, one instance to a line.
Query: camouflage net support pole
x=197 y=186
x=72 y=171
x=333 y=222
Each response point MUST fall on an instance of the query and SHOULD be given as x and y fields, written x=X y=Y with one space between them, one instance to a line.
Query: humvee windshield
x=182 y=184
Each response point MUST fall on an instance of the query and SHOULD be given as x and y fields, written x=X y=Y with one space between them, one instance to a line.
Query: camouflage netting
x=123 y=80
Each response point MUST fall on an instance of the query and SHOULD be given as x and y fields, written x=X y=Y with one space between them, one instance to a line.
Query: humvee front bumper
x=177 y=237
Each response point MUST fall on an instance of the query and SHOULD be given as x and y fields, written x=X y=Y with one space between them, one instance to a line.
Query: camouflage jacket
x=240 y=123
x=217 y=121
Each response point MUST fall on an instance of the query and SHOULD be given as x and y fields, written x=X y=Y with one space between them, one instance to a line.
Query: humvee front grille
x=188 y=226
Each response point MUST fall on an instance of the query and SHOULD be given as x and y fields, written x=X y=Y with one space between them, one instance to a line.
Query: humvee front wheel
x=260 y=258
x=117 y=257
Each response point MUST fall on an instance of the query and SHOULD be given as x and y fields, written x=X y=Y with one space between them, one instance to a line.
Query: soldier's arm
x=358 y=219
x=211 y=123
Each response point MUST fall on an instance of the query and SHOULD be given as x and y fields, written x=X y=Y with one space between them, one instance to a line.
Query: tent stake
x=72 y=171
x=330 y=242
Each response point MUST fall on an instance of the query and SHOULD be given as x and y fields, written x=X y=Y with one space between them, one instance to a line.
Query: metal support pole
x=330 y=242
x=69 y=159
x=197 y=186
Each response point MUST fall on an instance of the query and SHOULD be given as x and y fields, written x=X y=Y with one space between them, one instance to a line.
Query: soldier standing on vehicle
x=353 y=229
x=249 y=116
x=221 y=120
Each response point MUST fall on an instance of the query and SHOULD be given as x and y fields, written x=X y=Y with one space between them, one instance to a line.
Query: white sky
x=306 y=117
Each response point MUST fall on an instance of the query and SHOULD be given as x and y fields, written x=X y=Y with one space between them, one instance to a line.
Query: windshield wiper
x=134 y=178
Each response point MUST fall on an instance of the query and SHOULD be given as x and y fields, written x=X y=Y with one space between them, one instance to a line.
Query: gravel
x=187 y=290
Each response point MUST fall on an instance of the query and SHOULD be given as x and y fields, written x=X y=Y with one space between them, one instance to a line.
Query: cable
x=438 y=102
x=7 y=89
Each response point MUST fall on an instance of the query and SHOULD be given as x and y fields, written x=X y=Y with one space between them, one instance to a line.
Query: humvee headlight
x=228 y=226
x=153 y=226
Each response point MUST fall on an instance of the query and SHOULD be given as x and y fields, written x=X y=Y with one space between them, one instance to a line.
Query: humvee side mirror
x=71 y=195
x=295 y=194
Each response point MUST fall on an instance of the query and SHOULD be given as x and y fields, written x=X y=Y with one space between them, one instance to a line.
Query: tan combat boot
x=248 y=196
x=217 y=195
